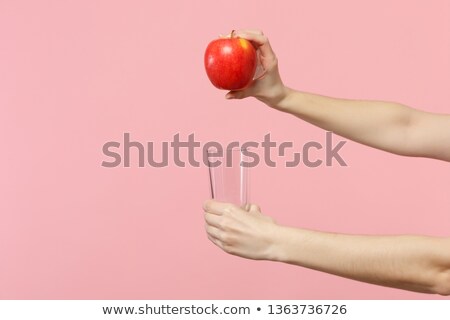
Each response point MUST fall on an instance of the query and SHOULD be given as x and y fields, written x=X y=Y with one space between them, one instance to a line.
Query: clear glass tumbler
x=228 y=175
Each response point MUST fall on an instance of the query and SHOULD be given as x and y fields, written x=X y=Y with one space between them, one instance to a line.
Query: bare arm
x=407 y=262
x=388 y=126
x=413 y=263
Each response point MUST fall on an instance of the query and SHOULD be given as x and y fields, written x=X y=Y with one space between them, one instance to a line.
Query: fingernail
x=228 y=96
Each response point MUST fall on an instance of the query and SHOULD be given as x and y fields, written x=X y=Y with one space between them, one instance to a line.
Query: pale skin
x=416 y=263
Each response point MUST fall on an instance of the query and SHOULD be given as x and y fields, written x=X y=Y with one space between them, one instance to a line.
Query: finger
x=222 y=36
x=255 y=208
x=260 y=71
x=238 y=94
x=259 y=40
x=253 y=31
x=217 y=242
x=213 y=232
x=216 y=207
x=213 y=219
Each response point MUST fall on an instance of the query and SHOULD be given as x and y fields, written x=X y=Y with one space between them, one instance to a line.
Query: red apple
x=230 y=63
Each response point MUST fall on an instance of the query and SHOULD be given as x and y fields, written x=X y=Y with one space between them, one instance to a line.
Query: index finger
x=259 y=39
x=234 y=32
x=216 y=207
x=213 y=219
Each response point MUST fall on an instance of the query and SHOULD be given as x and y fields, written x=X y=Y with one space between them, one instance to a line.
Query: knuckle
x=230 y=209
x=228 y=248
x=227 y=210
x=208 y=229
x=234 y=208
x=206 y=205
x=224 y=237
x=209 y=218
x=224 y=224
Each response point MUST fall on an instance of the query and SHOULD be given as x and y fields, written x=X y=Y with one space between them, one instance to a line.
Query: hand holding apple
x=230 y=63
x=268 y=87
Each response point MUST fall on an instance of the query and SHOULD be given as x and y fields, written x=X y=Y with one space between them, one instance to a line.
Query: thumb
x=254 y=208
x=238 y=94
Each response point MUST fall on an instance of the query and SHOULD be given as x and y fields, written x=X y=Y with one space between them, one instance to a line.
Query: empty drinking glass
x=228 y=175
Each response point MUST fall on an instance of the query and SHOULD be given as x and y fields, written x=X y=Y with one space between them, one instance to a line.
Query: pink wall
x=75 y=74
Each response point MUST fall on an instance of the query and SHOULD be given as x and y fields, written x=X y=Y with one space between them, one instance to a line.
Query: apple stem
x=232 y=33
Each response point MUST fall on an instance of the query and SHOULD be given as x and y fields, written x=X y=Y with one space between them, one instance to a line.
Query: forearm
x=382 y=125
x=408 y=262
x=388 y=126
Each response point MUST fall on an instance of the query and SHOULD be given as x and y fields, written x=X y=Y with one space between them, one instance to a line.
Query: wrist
x=288 y=245
x=273 y=95
x=281 y=102
x=278 y=250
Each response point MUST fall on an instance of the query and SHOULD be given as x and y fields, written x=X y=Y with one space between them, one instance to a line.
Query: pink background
x=76 y=74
